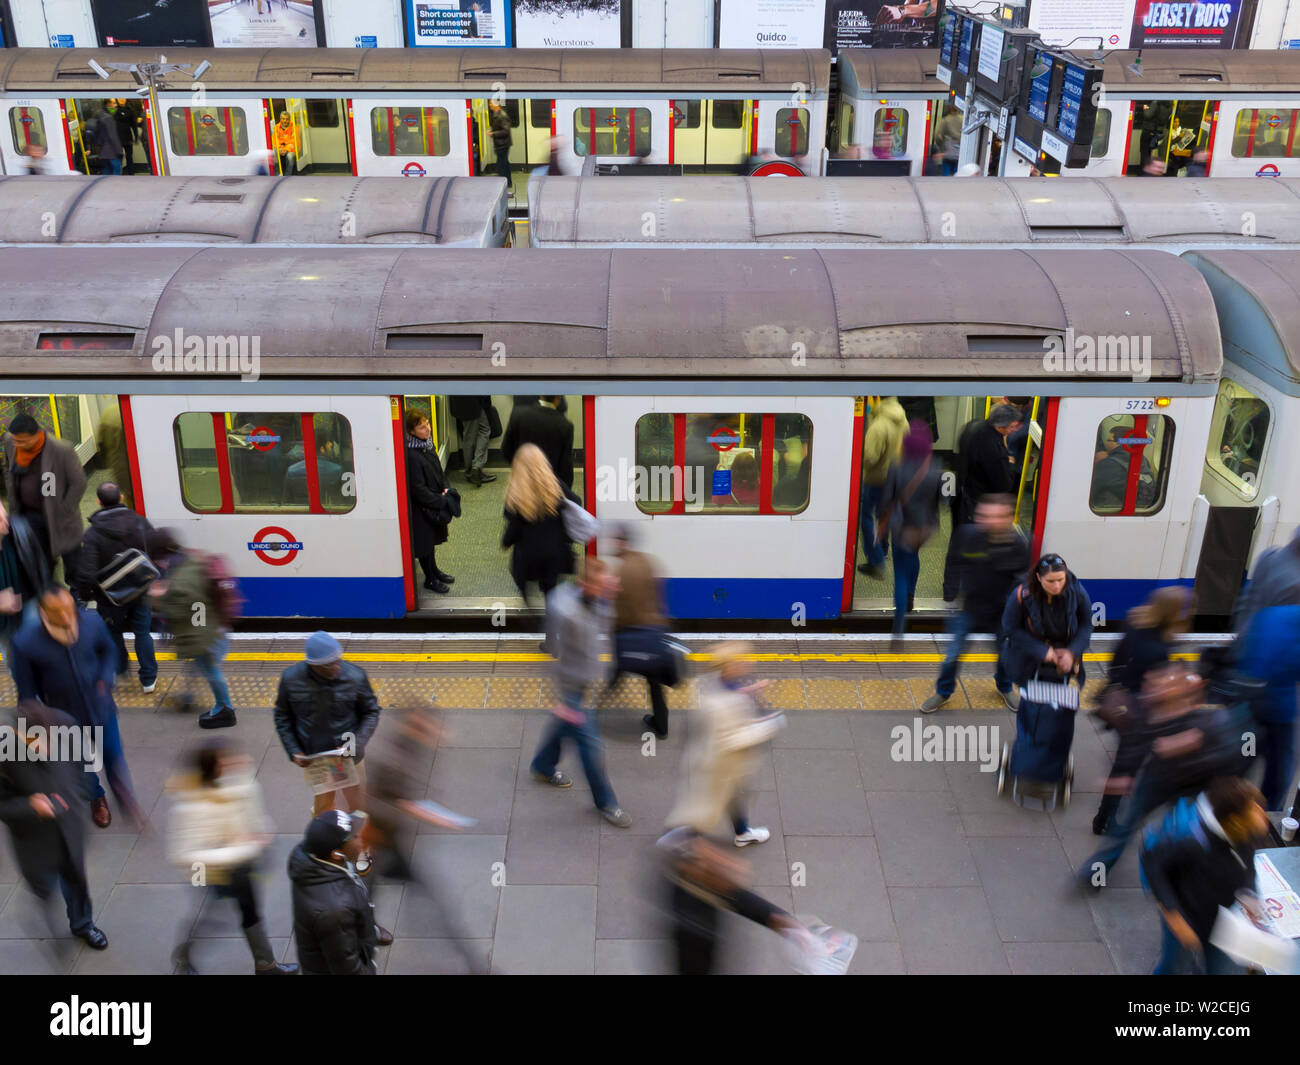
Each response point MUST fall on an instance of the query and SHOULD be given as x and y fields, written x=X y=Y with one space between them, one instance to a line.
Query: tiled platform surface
x=923 y=861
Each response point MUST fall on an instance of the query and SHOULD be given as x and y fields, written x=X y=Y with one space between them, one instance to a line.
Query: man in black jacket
x=115 y=528
x=333 y=917
x=992 y=556
x=1194 y=868
x=326 y=704
x=23 y=573
x=474 y=413
x=985 y=466
x=545 y=426
x=40 y=800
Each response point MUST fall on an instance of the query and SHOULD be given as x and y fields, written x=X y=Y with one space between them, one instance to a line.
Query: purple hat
x=918 y=442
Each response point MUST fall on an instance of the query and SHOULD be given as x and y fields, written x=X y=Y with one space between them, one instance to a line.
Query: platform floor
x=921 y=860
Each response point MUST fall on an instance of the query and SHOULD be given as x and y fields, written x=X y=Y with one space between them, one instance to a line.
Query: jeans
x=907 y=568
x=288 y=163
x=1277 y=747
x=111 y=166
x=70 y=878
x=1177 y=960
x=875 y=552
x=949 y=167
x=119 y=776
x=503 y=165
x=960 y=627
x=138 y=621
x=587 y=738
x=209 y=666
x=1144 y=798
x=474 y=444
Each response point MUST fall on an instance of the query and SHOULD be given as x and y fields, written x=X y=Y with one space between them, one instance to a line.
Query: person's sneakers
x=484 y=477
x=148 y=688
x=383 y=936
x=876 y=573
x=441 y=587
x=100 y=813
x=1100 y=823
x=223 y=718
x=1012 y=700
x=280 y=968
x=616 y=816
x=753 y=835
x=935 y=702
x=544 y=648
x=94 y=938
x=555 y=780
x=364 y=863
x=446 y=578
x=649 y=722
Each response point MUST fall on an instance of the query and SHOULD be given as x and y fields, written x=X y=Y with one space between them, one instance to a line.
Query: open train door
x=33 y=127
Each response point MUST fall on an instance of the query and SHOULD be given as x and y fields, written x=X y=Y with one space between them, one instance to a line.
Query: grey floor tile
x=439 y=957
x=477 y=782
x=1074 y=828
x=141 y=921
x=1060 y=959
x=947 y=930
x=484 y=728
x=39 y=957
x=546 y=930
x=821 y=793
x=876 y=737
x=1130 y=926
x=554 y=837
x=920 y=839
x=878 y=959
x=630 y=902
x=635 y=957
x=230 y=956
x=1027 y=883
x=841 y=882
x=464 y=876
x=816 y=728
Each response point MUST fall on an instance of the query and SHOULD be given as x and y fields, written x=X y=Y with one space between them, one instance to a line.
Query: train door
x=530 y=141
x=229 y=137
x=710 y=135
x=1169 y=136
x=34 y=137
x=611 y=133
x=316 y=133
x=1257 y=141
x=396 y=138
x=84 y=118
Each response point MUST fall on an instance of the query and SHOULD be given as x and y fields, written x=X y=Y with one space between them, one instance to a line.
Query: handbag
x=580 y=526
x=1116 y=708
x=1052 y=690
x=126 y=576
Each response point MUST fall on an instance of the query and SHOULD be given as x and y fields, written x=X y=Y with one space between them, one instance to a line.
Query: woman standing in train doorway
x=434 y=503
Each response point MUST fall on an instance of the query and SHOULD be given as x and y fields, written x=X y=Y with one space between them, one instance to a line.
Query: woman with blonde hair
x=534 y=513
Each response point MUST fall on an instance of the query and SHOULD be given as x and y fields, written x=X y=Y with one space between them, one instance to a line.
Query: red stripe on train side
x=855 y=489
x=589 y=460
x=132 y=454
x=403 y=515
x=1045 y=473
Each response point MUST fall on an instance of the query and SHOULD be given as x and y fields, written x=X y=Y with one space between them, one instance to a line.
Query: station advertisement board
x=568 y=23
x=458 y=23
x=771 y=23
x=142 y=23
x=1138 y=23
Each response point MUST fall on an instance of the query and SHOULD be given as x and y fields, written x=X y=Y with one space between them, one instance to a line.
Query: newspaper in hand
x=331 y=771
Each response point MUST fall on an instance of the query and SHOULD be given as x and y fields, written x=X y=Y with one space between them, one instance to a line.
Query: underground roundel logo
x=724 y=438
x=776 y=168
x=263 y=547
x=262 y=438
x=1268 y=170
x=413 y=170
x=1134 y=444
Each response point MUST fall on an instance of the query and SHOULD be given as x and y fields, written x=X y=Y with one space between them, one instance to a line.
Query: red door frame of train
x=469 y=136
x=352 y=140
x=154 y=147
x=273 y=164
x=1045 y=474
x=403 y=516
x=855 y=487
x=132 y=456
x=589 y=460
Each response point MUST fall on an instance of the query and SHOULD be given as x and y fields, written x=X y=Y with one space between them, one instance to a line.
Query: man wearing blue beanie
x=325 y=714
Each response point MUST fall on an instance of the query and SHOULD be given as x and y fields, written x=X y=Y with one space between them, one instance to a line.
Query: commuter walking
x=68 y=661
x=1270 y=654
x=116 y=529
x=326 y=712
x=882 y=447
x=1200 y=860
x=909 y=512
x=1274 y=582
x=1147 y=643
x=534 y=517
x=949 y=137
x=500 y=126
x=992 y=556
x=542 y=423
x=219 y=828
x=333 y=917
x=640 y=628
x=579 y=618
x=434 y=504
x=40 y=802
x=475 y=414
x=102 y=132
x=44 y=482
x=24 y=571
x=197 y=603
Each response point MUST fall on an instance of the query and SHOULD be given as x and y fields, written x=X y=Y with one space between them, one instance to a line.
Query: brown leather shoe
x=383 y=936
x=99 y=813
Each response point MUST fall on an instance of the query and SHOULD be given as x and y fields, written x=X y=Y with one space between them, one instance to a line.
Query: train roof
x=1164 y=70
x=250 y=210
x=1257 y=294
x=624 y=314
x=269 y=69
x=576 y=211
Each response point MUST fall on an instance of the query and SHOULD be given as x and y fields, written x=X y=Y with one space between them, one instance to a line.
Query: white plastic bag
x=580 y=526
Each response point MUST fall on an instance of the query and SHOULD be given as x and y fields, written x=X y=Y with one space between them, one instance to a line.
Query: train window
x=845 y=132
x=1237 y=433
x=728 y=114
x=720 y=459
x=323 y=114
x=616 y=130
x=1266 y=131
x=274 y=462
x=792 y=131
x=1101 y=133
x=59 y=414
x=1131 y=464
x=410 y=131
x=28 y=127
x=539 y=114
x=207 y=130
x=889 y=133
x=686 y=114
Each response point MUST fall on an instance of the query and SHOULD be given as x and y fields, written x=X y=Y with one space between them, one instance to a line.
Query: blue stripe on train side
x=1120 y=596
x=323 y=597
x=758 y=597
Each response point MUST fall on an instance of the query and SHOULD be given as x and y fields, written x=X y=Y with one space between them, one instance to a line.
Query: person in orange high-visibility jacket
x=285 y=141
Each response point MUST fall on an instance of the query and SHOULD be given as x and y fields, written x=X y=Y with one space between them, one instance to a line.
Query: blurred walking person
x=544 y=424
x=44 y=483
x=40 y=802
x=1275 y=581
x=535 y=529
x=640 y=628
x=333 y=917
x=579 y=620
x=882 y=447
x=24 y=571
x=1270 y=653
x=909 y=515
x=985 y=465
x=219 y=829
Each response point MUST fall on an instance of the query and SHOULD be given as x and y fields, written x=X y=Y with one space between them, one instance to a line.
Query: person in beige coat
x=218 y=829
x=720 y=757
x=882 y=445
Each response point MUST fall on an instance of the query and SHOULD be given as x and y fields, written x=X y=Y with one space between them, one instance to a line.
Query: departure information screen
x=1073 y=87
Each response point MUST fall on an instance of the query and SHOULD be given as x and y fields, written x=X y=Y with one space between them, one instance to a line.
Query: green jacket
x=187 y=587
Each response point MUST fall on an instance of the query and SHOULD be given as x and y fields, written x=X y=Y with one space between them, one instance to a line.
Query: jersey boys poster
x=1185 y=24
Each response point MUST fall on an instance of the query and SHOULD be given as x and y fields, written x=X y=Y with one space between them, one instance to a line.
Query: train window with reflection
x=686 y=114
x=722 y=463
x=728 y=114
x=792 y=131
x=1131 y=462
x=1101 y=133
x=409 y=131
x=207 y=131
x=539 y=114
x=322 y=114
x=269 y=462
x=1266 y=131
x=614 y=130
x=28 y=127
x=889 y=133
x=1238 y=430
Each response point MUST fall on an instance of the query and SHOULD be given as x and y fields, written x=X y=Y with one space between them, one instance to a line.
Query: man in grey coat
x=579 y=619
x=44 y=482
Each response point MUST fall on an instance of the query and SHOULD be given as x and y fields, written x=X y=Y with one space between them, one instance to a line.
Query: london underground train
x=683 y=368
